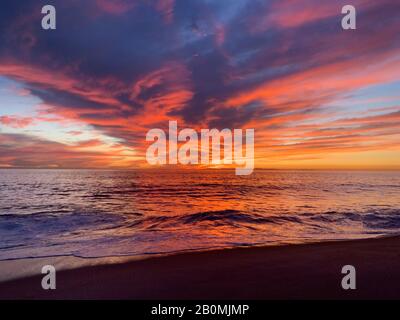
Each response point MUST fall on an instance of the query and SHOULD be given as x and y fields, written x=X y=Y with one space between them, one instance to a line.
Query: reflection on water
x=93 y=213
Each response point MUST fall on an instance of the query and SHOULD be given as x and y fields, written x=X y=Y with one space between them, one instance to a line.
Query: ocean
x=111 y=213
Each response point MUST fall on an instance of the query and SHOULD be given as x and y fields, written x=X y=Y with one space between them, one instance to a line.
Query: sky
x=85 y=95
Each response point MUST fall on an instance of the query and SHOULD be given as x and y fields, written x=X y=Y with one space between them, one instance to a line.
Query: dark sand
x=310 y=271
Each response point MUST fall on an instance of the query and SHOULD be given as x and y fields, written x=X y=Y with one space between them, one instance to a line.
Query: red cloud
x=166 y=8
x=115 y=6
x=15 y=121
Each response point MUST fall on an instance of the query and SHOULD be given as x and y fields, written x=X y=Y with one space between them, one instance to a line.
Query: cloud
x=123 y=67
x=74 y=133
x=20 y=150
x=15 y=121
x=116 y=7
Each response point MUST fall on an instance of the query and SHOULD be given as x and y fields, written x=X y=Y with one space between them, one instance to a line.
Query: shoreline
x=29 y=266
x=295 y=271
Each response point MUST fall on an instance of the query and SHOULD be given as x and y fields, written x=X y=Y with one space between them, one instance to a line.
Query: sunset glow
x=317 y=96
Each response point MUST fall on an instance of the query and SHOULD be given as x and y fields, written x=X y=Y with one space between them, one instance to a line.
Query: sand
x=309 y=271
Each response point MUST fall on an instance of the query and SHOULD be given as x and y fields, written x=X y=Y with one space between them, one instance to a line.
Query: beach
x=305 y=271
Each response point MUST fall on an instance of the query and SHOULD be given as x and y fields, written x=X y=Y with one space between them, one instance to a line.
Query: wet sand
x=309 y=271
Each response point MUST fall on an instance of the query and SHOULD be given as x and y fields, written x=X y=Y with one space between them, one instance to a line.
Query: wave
x=93 y=234
x=63 y=220
x=383 y=219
